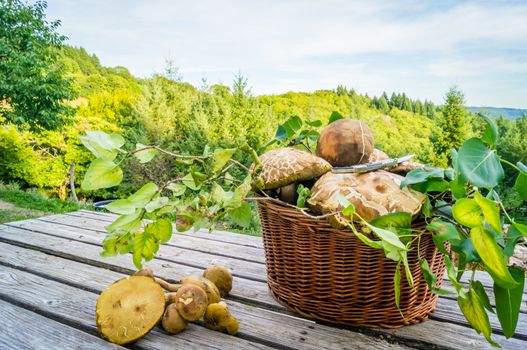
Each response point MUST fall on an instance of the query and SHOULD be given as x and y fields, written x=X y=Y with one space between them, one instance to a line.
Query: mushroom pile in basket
x=286 y=171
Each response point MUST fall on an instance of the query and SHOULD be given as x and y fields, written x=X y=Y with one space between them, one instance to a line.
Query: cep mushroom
x=373 y=194
x=283 y=168
x=346 y=142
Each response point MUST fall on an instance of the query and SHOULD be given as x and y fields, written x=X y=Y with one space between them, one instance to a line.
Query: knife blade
x=364 y=168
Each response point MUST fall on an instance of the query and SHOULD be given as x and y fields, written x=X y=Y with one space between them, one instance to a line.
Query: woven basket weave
x=330 y=275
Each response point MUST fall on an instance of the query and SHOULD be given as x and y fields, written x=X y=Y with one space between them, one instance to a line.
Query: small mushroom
x=346 y=142
x=373 y=194
x=283 y=168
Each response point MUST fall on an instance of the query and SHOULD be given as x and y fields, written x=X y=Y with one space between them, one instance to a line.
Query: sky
x=418 y=47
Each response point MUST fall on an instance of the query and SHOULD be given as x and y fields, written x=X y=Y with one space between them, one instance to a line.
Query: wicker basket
x=330 y=275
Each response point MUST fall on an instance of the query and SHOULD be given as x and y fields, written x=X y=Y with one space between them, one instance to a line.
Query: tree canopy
x=33 y=90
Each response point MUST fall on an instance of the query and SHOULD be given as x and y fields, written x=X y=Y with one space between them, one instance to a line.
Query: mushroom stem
x=167 y=286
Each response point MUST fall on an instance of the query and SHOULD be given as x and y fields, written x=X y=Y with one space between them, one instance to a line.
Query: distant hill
x=511 y=113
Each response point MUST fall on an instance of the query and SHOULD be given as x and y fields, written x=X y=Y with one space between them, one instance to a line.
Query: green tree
x=32 y=87
x=383 y=105
x=453 y=124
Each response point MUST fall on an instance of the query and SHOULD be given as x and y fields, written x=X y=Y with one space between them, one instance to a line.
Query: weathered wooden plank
x=448 y=312
x=243 y=289
x=76 y=307
x=255 y=324
x=86 y=228
x=464 y=335
x=230 y=250
x=216 y=235
x=23 y=329
x=247 y=269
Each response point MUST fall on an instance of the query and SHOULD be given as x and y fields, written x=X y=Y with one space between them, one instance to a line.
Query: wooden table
x=51 y=274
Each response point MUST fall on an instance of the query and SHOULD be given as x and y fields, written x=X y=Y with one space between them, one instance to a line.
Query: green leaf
x=520 y=227
x=303 y=195
x=521 y=185
x=156 y=203
x=240 y=192
x=102 y=145
x=491 y=211
x=292 y=125
x=513 y=236
x=480 y=165
x=102 y=173
x=189 y=181
x=396 y=219
x=241 y=215
x=522 y=167
x=334 y=117
x=427 y=208
x=221 y=157
x=397 y=285
x=161 y=229
x=145 y=246
x=467 y=212
x=144 y=195
x=467 y=249
x=508 y=302
x=458 y=188
x=126 y=223
x=431 y=185
x=443 y=231
x=369 y=242
x=315 y=123
x=281 y=134
x=121 y=206
x=387 y=236
x=490 y=134
x=146 y=155
x=452 y=275
x=430 y=277
x=406 y=264
x=482 y=295
x=492 y=255
x=421 y=175
x=474 y=312
x=177 y=189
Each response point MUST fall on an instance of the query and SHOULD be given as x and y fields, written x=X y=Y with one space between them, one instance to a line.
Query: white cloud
x=304 y=45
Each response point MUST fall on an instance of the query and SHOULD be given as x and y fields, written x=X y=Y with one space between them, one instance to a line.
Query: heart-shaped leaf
x=102 y=173
x=474 y=311
x=221 y=157
x=478 y=164
x=467 y=212
x=145 y=155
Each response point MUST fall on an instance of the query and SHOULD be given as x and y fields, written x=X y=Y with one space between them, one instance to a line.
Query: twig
x=302 y=210
x=175 y=155
x=72 y=182
x=240 y=165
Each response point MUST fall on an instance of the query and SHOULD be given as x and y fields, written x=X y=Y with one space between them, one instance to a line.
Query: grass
x=16 y=204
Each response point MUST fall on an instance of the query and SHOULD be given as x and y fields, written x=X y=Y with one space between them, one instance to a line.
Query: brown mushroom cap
x=345 y=142
x=373 y=194
x=284 y=166
x=377 y=155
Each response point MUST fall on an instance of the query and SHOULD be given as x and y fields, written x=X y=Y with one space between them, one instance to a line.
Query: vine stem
x=175 y=155
x=505 y=161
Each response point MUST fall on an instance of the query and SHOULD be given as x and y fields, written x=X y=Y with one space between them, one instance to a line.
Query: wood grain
x=46 y=241
x=258 y=325
x=22 y=329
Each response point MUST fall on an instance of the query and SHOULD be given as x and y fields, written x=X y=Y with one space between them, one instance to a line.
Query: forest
x=77 y=93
